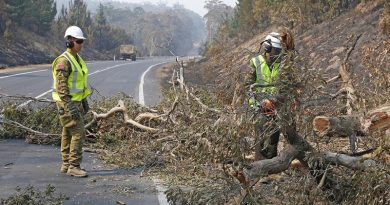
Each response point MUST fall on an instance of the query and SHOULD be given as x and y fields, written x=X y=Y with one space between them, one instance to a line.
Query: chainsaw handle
x=253 y=86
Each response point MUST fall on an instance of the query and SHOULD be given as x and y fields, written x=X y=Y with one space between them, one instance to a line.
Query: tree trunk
x=342 y=126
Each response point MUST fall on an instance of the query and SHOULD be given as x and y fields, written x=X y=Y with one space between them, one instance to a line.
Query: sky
x=194 y=5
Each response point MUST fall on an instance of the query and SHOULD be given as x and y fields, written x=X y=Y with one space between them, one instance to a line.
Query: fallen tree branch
x=347 y=81
x=271 y=166
x=120 y=108
x=153 y=116
x=147 y=115
x=205 y=107
x=355 y=163
x=332 y=79
x=16 y=124
x=26 y=98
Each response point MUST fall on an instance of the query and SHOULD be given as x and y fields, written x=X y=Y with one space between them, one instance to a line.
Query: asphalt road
x=37 y=165
x=22 y=164
x=107 y=77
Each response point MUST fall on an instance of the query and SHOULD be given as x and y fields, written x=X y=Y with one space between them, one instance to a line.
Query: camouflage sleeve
x=250 y=76
x=63 y=69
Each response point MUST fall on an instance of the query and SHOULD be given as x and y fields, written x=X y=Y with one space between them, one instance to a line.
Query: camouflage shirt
x=63 y=69
x=250 y=77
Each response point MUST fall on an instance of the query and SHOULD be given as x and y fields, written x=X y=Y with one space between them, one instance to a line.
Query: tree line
x=39 y=16
x=100 y=34
x=161 y=31
x=158 y=30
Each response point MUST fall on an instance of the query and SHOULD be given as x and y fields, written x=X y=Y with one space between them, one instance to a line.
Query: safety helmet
x=75 y=32
x=274 y=39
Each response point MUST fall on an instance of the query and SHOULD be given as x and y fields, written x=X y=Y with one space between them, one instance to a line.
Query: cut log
x=378 y=119
x=343 y=126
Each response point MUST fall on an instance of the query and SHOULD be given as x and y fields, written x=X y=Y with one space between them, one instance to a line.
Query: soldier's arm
x=63 y=69
x=250 y=77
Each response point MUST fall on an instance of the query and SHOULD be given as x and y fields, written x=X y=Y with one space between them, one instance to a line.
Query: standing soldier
x=265 y=74
x=70 y=91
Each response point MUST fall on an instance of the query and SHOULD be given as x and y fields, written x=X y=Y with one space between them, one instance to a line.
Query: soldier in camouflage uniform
x=70 y=92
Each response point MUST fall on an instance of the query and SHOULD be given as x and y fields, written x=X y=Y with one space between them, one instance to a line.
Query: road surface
x=22 y=164
x=107 y=77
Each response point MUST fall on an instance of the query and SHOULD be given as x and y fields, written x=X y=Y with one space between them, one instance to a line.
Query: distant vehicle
x=128 y=52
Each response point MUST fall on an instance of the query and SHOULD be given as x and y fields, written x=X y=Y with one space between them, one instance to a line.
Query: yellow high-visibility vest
x=265 y=75
x=77 y=80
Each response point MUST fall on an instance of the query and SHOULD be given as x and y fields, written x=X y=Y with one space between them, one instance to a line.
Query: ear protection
x=69 y=43
x=266 y=44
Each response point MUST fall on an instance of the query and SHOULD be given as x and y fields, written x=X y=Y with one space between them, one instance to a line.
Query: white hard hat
x=274 y=38
x=75 y=32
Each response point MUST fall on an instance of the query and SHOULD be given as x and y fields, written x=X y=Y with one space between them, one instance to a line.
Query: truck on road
x=128 y=52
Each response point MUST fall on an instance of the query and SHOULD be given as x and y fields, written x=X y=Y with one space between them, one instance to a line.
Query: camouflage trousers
x=267 y=134
x=73 y=135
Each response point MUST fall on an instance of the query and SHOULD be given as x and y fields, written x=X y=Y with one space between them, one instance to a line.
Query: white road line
x=141 y=97
x=36 y=71
x=162 y=199
x=43 y=94
x=98 y=71
x=8 y=76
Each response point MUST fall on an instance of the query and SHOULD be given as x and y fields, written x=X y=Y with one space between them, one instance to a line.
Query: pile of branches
x=182 y=137
x=203 y=147
x=32 y=195
x=28 y=118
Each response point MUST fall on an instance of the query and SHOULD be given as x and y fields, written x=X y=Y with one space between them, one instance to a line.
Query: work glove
x=74 y=111
x=85 y=106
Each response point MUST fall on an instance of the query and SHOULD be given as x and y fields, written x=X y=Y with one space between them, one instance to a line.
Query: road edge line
x=141 y=96
x=162 y=199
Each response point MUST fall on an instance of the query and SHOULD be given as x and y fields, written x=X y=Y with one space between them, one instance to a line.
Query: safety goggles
x=276 y=51
x=79 y=41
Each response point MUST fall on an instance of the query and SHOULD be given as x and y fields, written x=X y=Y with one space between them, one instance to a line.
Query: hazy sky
x=195 y=5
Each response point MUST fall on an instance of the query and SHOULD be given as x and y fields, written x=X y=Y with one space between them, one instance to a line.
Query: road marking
x=36 y=71
x=98 y=71
x=43 y=94
x=162 y=199
x=141 y=97
x=8 y=76
x=28 y=101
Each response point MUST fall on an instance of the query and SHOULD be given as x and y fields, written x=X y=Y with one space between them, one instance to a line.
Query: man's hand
x=74 y=111
x=85 y=106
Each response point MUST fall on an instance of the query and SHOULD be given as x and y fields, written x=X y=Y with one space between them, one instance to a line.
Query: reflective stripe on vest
x=74 y=89
x=258 y=66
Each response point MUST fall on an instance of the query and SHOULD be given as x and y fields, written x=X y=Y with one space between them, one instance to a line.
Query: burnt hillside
x=31 y=48
x=356 y=42
x=322 y=47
